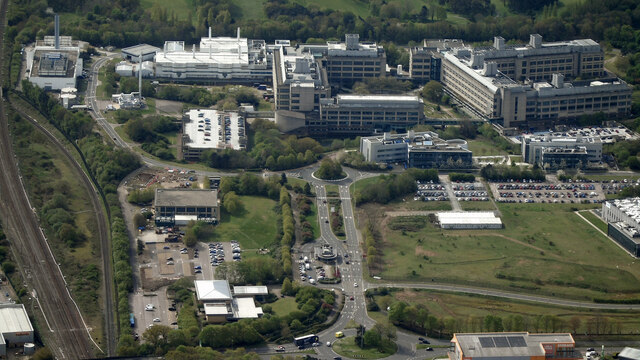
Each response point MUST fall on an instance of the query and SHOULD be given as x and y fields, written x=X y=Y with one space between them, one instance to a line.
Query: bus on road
x=132 y=320
x=306 y=340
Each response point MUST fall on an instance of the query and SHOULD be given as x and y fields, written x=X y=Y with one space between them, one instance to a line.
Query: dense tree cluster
x=387 y=188
x=511 y=173
x=330 y=170
x=462 y=177
x=626 y=153
x=355 y=159
x=268 y=149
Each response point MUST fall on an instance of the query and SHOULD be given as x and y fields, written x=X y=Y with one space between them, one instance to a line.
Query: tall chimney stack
x=140 y=76
x=209 y=32
x=57 y=31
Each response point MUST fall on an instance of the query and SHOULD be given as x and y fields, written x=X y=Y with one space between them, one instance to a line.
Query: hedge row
x=288 y=230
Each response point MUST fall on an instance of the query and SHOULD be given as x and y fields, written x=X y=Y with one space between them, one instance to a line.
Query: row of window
x=367 y=63
x=347 y=68
x=376 y=118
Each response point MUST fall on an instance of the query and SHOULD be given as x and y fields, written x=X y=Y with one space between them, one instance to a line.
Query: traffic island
x=348 y=348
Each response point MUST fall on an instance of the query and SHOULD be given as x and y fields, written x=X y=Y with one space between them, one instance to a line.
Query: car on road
x=156 y=320
x=355 y=284
x=149 y=307
x=429 y=349
x=316 y=344
x=198 y=271
x=280 y=348
x=198 y=267
x=166 y=248
x=421 y=339
x=329 y=343
x=339 y=334
x=347 y=262
x=326 y=221
x=172 y=308
x=351 y=298
x=169 y=262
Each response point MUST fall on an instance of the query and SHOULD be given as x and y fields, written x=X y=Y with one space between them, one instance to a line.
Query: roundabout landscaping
x=347 y=347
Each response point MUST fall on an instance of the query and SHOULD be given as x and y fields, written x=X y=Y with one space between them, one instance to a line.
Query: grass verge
x=348 y=348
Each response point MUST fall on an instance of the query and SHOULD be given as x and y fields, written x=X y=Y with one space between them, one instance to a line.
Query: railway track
x=70 y=335
x=102 y=229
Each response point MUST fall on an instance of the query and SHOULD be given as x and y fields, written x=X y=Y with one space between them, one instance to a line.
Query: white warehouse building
x=15 y=327
x=457 y=220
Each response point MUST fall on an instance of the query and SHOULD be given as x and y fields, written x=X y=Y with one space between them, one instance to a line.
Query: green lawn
x=417 y=205
x=477 y=205
x=543 y=248
x=283 y=306
x=481 y=146
x=332 y=190
x=468 y=310
x=312 y=218
x=348 y=348
x=595 y=220
x=255 y=228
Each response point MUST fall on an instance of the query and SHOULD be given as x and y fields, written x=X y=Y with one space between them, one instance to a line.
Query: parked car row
x=235 y=249
x=467 y=187
x=430 y=186
x=216 y=253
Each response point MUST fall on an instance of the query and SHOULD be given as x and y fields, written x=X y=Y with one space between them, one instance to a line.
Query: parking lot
x=470 y=191
x=431 y=192
x=565 y=193
x=162 y=263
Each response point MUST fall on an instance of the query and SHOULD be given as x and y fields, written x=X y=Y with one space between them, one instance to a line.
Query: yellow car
x=339 y=334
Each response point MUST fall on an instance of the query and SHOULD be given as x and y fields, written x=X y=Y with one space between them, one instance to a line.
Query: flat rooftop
x=186 y=197
x=216 y=309
x=14 y=319
x=54 y=63
x=245 y=308
x=213 y=129
x=468 y=218
x=499 y=345
x=250 y=290
x=144 y=49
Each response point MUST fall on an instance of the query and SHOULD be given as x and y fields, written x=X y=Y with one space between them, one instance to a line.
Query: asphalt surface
x=34 y=256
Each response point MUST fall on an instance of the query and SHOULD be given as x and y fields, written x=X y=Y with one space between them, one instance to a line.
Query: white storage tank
x=29 y=348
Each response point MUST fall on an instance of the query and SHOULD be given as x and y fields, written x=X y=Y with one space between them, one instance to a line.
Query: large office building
x=54 y=63
x=353 y=60
x=513 y=346
x=550 y=151
x=221 y=59
x=299 y=81
x=15 y=327
x=179 y=206
x=538 y=61
x=421 y=150
x=354 y=115
x=221 y=304
x=489 y=88
x=623 y=223
x=205 y=129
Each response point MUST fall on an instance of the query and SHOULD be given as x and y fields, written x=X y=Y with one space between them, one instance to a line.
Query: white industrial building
x=217 y=58
x=220 y=305
x=623 y=223
x=15 y=327
x=127 y=69
x=54 y=63
x=205 y=129
x=459 y=220
x=127 y=101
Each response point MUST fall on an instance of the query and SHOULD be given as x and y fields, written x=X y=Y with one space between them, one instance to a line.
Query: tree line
x=386 y=188
x=512 y=173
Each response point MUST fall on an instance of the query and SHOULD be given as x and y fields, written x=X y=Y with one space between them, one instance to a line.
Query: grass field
x=348 y=348
x=468 y=310
x=477 y=205
x=283 y=306
x=256 y=228
x=595 y=220
x=543 y=248
x=482 y=146
x=417 y=205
